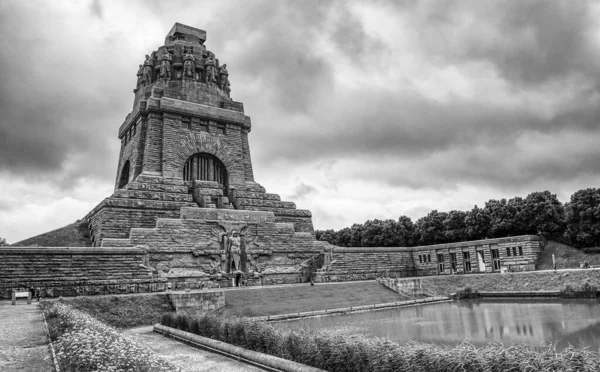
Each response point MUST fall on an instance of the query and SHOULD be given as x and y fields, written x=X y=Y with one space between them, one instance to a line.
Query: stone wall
x=77 y=271
x=197 y=303
x=192 y=247
x=369 y=263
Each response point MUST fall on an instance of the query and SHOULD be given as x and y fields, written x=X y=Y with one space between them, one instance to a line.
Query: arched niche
x=124 y=179
x=206 y=167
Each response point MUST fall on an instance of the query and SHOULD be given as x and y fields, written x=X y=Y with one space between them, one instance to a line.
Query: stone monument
x=185 y=188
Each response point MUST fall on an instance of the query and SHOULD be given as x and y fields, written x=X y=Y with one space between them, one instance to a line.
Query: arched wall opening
x=124 y=180
x=206 y=167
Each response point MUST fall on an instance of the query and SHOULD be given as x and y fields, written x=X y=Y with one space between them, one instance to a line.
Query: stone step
x=159 y=180
x=199 y=184
x=114 y=242
x=209 y=192
x=255 y=195
x=252 y=187
x=281 y=211
x=157 y=187
x=151 y=195
x=243 y=202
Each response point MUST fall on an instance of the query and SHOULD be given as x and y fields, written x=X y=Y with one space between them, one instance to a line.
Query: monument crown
x=185 y=33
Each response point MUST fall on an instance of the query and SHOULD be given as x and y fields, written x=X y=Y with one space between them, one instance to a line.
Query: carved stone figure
x=189 y=65
x=165 y=65
x=234 y=248
x=209 y=68
x=140 y=78
x=223 y=77
x=147 y=72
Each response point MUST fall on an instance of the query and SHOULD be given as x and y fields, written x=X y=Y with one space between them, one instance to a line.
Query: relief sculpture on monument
x=165 y=66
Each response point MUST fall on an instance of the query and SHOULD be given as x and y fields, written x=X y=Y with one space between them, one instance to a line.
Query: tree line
x=576 y=222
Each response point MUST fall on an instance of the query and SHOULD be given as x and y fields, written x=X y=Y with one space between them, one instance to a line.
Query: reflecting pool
x=563 y=322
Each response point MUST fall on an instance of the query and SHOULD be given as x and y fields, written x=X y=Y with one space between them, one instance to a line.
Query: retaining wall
x=197 y=303
x=71 y=271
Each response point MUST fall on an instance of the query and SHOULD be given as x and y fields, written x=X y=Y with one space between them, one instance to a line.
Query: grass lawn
x=566 y=257
x=282 y=300
x=124 y=311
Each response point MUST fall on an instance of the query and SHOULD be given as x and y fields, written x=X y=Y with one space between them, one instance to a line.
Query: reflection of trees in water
x=589 y=335
x=481 y=322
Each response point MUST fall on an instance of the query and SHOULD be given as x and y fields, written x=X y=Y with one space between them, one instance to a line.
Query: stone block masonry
x=197 y=303
x=517 y=253
x=76 y=271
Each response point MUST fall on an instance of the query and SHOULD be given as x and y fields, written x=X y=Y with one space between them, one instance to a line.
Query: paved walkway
x=186 y=357
x=23 y=342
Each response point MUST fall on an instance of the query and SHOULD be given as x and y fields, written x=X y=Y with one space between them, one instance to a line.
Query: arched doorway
x=124 y=180
x=206 y=167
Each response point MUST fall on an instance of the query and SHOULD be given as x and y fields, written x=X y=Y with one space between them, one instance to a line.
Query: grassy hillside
x=566 y=257
x=73 y=235
x=261 y=301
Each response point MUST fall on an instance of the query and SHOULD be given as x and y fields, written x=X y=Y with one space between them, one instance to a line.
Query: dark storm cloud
x=275 y=46
x=529 y=41
x=538 y=47
x=56 y=117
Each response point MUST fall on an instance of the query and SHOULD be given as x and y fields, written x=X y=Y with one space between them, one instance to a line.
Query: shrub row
x=85 y=344
x=466 y=293
x=591 y=250
x=585 y=291
x=344 y=351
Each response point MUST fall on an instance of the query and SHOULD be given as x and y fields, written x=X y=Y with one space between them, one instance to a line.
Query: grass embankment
x=343 y=351
x=73 y=235
x=124 y=311
x=292 y=299
x=566 y=257
x=531 y=281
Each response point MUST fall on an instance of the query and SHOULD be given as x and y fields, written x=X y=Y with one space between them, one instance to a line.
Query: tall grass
x=345 y=351
x=585 y=291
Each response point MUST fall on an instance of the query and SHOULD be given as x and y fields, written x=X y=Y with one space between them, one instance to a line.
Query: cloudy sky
x=360 y=109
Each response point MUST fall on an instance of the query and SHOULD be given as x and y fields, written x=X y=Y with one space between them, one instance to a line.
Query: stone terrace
x=76 y=271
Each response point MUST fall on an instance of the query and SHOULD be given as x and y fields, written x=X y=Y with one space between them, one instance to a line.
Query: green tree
x=356 y=235
x=3 y=242
x=343 y=237
x=407 y=230
x=430 y=229
x=382 y=233
x=506 y=219
x=454 y=226
x=543 y=213
x=477 y=223
x=582 y=218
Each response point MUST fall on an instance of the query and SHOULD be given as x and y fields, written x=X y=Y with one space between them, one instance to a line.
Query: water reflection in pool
x=481 y=321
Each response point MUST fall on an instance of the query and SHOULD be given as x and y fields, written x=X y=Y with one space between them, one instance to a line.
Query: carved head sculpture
x=234 y=233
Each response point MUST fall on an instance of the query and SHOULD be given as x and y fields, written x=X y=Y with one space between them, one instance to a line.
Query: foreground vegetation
x=85 y=344
x=124 y=311
x=343 y=351
x=576 y=222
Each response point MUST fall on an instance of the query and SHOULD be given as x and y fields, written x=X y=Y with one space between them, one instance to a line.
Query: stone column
x=195 y=168
x=154 y=140
x=248 y=172
x=211 y=170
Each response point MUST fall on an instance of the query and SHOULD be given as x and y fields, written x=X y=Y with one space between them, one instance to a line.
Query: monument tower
x=185 y=156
